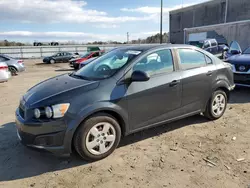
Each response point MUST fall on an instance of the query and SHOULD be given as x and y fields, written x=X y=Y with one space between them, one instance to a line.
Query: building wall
x=209 y=13
x=230 y=32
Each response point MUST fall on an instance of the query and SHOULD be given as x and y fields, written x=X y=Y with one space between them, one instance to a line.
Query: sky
x=84 y=20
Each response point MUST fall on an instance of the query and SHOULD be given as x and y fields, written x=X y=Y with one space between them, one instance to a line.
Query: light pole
x=127 y=37
x=161 y=24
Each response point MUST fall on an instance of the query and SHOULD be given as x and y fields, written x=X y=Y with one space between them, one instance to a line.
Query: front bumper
x=4 y=76
x=74 y=65
x=49 y=136
x=242 y=79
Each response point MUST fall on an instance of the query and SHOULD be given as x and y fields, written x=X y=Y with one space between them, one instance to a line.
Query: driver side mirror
x=139 y=76
x=225 y=49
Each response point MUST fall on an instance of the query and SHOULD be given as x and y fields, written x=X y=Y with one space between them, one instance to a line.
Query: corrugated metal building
x=212 y=15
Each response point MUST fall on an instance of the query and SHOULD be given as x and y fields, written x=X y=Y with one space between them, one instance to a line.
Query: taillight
x=3 y=67
x=20 y=61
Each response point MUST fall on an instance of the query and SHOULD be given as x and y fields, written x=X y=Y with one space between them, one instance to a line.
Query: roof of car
x=153 y=46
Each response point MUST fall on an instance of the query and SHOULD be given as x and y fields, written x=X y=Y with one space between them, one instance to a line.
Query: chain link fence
x=26 y=52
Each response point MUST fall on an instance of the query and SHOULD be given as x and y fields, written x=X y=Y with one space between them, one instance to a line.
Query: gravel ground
x=171 y=155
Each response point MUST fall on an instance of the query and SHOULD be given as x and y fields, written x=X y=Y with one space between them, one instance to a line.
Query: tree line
x=149 y=40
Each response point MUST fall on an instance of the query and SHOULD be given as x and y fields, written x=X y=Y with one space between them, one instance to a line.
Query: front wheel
x=52 y=61
x=97 y=137
x=216 y=105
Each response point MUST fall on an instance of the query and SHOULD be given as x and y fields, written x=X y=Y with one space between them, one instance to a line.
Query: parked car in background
x=4 y=72
x=59 y=57
x=14 y=65
x=84 y=63
x=145 y=86
x=234 y=49
x=241 y=64
x=76 y=62
x=212 y=46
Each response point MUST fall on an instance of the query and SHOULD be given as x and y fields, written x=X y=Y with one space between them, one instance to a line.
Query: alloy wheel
x=100 y=138
x=218 y=104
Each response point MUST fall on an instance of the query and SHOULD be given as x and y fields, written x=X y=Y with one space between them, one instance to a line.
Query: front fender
x=74 y=122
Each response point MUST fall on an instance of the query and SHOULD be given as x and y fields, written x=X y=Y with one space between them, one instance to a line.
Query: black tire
x=209 y=111
x=13 y=70
x=76 y=66
x=84 y=129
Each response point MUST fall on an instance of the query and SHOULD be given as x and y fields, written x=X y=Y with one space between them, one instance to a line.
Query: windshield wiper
x=78 y=76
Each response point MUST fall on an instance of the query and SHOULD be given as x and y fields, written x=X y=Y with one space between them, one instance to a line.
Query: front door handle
x=174 y=83
x=209 y=73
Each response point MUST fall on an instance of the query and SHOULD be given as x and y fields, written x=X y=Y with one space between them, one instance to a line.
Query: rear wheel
x=13 y=70
x=97 y=137
x=216 y=105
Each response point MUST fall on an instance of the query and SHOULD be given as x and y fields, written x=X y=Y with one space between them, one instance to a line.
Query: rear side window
x=190 y=59
x=3 y=59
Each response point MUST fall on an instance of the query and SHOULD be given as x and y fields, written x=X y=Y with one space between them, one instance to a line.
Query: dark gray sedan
x=59 y=57
x=124 y=91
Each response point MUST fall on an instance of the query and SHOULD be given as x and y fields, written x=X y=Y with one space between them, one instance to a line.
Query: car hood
x=240 y=59
x=62 y=87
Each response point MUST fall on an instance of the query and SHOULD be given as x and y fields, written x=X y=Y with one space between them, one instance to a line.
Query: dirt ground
x=171 y=155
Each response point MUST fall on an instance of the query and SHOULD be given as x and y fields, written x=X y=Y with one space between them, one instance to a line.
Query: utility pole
x=161 y=24
x=127 y=37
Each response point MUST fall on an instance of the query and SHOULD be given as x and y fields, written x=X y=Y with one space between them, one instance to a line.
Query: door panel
x=196 y=87
x=196 y=79
x=152 y=101
x=157 y=99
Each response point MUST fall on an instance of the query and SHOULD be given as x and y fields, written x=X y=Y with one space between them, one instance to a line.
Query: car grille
x=239 y=68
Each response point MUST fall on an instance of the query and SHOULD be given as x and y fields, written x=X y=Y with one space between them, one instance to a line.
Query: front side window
x=190 y=59
x=206 y=44
x=156 y=63
x=107 y=65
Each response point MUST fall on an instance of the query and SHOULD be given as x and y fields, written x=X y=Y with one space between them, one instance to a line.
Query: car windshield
x=247 y=51
x=85 y=54
x=107 y=65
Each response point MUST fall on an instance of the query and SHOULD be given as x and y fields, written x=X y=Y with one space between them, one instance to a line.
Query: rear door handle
x=174 y=83
x=209 y=73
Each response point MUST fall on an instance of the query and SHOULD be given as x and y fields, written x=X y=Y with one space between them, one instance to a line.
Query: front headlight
x=37 y=113
x=48 y=112
x=54 y=111
x=60 y=109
